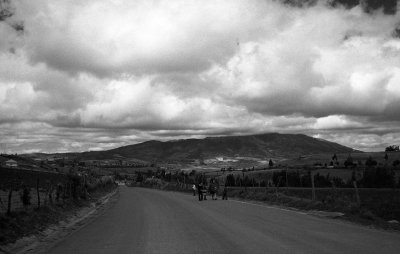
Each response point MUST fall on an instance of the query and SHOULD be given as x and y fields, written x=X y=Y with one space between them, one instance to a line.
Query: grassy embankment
x=376 y=207
x=24 y=220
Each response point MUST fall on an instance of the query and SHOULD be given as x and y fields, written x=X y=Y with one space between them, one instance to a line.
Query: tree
x=392 y=148
x=139 y=177
x=230 y=180
x=349 y=162
x=386 y=157
x=270 y=163
x=370 y=162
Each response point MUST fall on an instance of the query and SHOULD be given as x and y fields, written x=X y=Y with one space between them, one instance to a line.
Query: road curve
x=153 y=221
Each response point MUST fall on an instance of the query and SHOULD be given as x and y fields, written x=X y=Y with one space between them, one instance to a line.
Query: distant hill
x=263 y=146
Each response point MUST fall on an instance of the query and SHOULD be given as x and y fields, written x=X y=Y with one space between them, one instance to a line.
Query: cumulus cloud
x=100 y=74
x=110 y=37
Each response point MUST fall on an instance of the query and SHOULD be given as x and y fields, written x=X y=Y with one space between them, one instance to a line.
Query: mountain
x=263 y=146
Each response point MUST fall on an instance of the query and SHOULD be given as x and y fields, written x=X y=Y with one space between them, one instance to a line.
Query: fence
x=24 y=189
x=384 y=203
x=21 y=189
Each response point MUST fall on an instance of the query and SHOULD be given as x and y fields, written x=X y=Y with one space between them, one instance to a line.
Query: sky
x=95 y=75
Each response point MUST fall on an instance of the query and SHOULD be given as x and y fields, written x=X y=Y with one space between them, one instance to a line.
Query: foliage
x=139 y=177
x=270 y=163
x=378 y=178
x=392 y=148
x=349 y=162
x=370 y=162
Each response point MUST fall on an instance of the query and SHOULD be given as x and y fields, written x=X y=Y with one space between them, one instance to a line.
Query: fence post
x=277 y=186
x=313 y=186
x=50 y=193
x=287 y=181
x=357 y=194
x=37 y=190
x=9 y=200
x=245 y=184
x=64 y=194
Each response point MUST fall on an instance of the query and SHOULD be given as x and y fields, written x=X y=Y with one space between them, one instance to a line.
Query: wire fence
x=384 y=202
x=26 y=189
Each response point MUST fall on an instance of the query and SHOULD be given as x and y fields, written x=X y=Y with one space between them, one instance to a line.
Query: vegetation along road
x=153 y=221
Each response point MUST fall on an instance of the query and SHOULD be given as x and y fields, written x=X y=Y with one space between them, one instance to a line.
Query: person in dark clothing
x=200 y=191
x=225 y=194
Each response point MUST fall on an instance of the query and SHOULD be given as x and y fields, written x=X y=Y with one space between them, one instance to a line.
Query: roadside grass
x=33 y=220
x=376 y=209
x=24 y=223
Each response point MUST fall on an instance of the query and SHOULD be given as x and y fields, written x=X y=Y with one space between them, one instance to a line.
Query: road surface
x=153 y=221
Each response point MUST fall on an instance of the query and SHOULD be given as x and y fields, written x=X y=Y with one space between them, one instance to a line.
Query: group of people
x=212 y=189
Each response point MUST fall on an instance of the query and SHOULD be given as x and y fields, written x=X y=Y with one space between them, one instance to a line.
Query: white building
x=11 y=163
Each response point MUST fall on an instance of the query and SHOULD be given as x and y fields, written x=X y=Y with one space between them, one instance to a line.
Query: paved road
x=152 y=221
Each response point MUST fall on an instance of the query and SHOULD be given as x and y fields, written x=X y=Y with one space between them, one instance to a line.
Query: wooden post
x=9 y=200
x=313 y=186
x=357 y=194
x=65 y=192
x=37 y=190
x=277 y=186
x=287 y=181
x=245 y=184
x=50 y=193
x=70 y=189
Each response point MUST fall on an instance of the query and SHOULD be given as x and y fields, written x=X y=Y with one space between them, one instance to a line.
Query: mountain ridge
x=262 y=146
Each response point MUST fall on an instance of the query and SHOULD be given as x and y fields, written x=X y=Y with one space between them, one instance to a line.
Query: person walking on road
x=200 y=191
x=213 y=189
x=194 y=189
x=225 y=194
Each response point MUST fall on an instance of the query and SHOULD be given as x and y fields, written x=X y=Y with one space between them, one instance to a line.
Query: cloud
x=316 y=69
x=113 y=37
x=96 y=74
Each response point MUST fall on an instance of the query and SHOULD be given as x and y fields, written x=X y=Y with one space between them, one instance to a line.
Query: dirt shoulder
x=35 y=232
